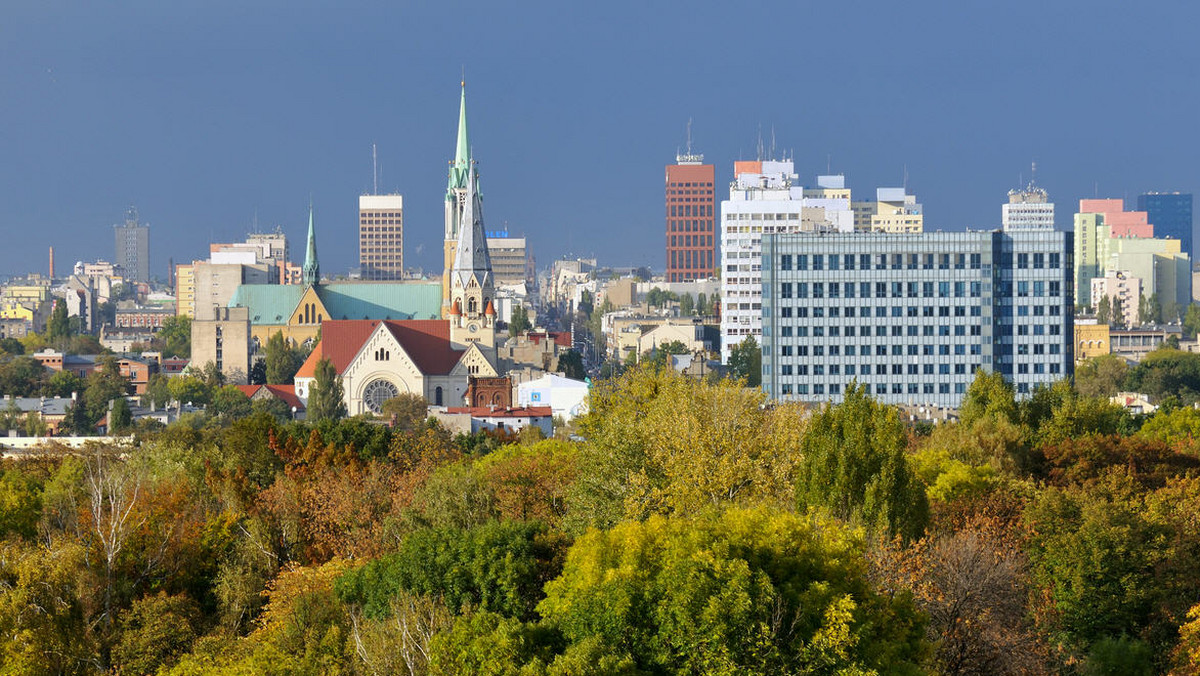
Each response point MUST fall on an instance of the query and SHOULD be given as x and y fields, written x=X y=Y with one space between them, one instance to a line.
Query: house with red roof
x=284 y=393
x=381 y=359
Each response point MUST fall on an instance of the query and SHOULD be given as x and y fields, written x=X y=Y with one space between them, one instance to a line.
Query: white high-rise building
x=766 y=197
x=1028 y=208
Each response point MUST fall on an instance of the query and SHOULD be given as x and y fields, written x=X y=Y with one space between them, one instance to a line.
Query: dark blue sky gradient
x=203 y=115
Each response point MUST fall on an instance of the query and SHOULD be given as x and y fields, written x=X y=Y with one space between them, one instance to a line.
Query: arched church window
x=437 y=397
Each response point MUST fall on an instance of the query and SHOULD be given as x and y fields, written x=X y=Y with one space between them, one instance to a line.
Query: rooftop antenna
x=1033 y=173
x=689 y=136
x=772 y=141
x=829 y=163
x=905 y=179
x=375 y=169
x=760 y=143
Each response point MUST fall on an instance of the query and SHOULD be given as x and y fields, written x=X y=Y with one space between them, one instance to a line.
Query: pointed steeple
x=312 y=268
x=462 y=150
x=471 y=258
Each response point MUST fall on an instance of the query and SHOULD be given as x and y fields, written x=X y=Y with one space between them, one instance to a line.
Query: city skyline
x=205 y=121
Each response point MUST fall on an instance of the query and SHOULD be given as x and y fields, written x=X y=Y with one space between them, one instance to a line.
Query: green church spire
x=462 y=151
x=312 y=268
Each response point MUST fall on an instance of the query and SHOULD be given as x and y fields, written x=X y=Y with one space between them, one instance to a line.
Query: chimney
x=51 y=263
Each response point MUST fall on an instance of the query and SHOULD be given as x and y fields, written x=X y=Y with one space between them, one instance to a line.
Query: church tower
x=472 y=313
x=311 y=272
x=456 y=198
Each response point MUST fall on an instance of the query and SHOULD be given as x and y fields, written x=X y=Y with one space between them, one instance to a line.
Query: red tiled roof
x=501 y=412
x=285 y=393
x=560 y=338
x=427 y=341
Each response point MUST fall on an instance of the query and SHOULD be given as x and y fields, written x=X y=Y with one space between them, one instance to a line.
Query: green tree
x=687 y=305
x=518 y=322
x=1104 y=313
x=500 y=566
x=158 y=391
x=63 y=384
x=120 y=418
x=854 y=465
x=410 y=410
x=21 y=376
x=175 y=337
x=326 y=400
x=282 y=361
x=58 y=329
x=103 y=386
x=11 y=346
x=258 y=372
x=660 y=356
x=570 y=363
x=745 y=361
x=230 y=402
x=1191 y=320
x=702 y=305
x=20 y=504
x=189 y=389
x=1101 y=376
x=1095 y=553
x=745 y=591
x=1118 y=312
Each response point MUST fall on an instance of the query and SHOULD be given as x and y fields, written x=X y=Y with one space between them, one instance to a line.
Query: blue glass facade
x=1171 y=215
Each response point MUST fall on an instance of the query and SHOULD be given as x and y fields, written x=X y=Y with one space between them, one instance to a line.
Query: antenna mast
x=375 y=169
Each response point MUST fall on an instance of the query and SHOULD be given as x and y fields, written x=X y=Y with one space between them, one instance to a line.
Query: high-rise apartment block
x=132 y=247
x=1109 y=238
x=765 y=198
x=691 y=246
x=1171 y=215
x=1028 y=208
x=381 y=236
x=913 y=316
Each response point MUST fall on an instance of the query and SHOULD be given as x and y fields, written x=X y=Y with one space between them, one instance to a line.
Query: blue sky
x=204 y=114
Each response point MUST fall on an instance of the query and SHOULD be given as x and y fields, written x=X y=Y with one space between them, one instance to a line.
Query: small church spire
x=312 y=268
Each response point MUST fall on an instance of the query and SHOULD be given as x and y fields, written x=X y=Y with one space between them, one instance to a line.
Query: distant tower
x=472 y=313
x=133 y=247
x=51 y=263
x=1028 y=208
x=689 y=211
x=456 y=197
x=381 y=236
x=311 y=272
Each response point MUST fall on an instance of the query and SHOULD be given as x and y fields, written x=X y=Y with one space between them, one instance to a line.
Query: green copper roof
x=312 y=268
x=462 y=151
x=274 y=303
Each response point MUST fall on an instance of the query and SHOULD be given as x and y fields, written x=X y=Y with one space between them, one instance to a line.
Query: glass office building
x=913 y=316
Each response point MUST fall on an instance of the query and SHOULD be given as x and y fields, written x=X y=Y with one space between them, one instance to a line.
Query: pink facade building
x=1120 y=223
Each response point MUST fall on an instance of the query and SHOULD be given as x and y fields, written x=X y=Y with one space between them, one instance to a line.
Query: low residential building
x=494 y=392
x=1124 y=294
x=1137 y=404
x=474 y=419
x=697 y=338
x=567 y=397
x=142 y=318
x=284 y=393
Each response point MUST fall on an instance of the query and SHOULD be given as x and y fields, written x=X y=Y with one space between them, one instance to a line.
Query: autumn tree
x=407 y=409
x=745 y=591
x=1101 y=376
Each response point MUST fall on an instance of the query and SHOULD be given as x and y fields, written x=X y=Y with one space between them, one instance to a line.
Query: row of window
x=914 y=289
x=690 y=240
x=912 y=261
x=688 y=226
x=820 y=311
x=686 y=210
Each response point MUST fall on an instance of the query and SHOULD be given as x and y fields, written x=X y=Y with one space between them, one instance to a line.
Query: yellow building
x=185 y=290
x=892 y=211
x=1091 y=339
